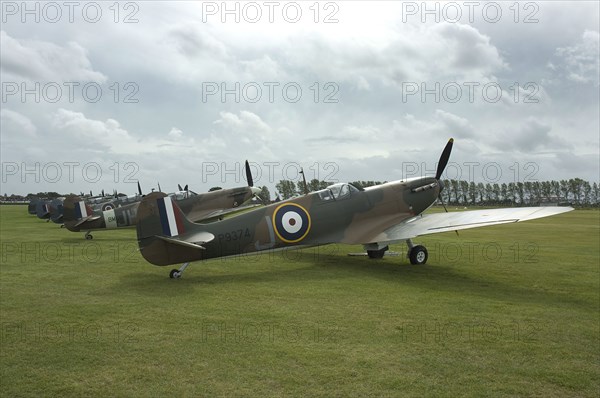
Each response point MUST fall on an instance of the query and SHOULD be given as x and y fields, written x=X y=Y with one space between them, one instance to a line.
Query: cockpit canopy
x=337 y=192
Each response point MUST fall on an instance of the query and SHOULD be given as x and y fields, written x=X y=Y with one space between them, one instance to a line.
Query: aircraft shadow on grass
x=441 y=278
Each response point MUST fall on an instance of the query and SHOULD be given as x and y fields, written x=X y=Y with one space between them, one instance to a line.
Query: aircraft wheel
x=175 y=274
x=418 y=255
x=377 y=254
x=89 y=237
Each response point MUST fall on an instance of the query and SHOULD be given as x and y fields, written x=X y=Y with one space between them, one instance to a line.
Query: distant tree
x=464 y=191
x=455 y=189
x=286 y=188
x=564 y=189
x=317 y=185
x=265 y=195
x=512 y=193
x=520 y=192
x=496 y=192
x=576 y=188
x=587 y=193
x=301 y=189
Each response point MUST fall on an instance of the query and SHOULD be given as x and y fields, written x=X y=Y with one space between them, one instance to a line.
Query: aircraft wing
x=443 y=222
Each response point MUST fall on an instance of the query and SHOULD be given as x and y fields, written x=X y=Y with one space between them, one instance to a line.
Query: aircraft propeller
x=249 y=175
x=159 y=190
x=443 y=162
x=250 y=179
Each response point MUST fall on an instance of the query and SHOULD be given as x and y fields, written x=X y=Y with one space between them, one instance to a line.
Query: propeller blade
x=249 y=175
x=91 y=193
x=160 y=190
x=139 y=189
x=179 y=186
x=103 y=192
x=185 y=188
x=444 y=159
x=443 y=204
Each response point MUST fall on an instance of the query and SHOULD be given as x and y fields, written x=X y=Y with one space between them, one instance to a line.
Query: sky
x=100 y=95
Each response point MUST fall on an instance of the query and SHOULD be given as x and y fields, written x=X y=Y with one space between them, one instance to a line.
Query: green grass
x=511 y=310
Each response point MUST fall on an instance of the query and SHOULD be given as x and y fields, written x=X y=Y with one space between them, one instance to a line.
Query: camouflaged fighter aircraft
x=56 y=210
x=103 y=203
x=42 y=209
x=374 y=217
x=32 y=205
x=203 y=208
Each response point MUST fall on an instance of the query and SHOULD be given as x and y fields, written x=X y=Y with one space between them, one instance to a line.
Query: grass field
x=511 y=310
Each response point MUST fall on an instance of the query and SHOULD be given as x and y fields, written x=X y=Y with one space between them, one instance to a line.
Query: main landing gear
x=176 y=273
x=416 y=254
x=377 y=254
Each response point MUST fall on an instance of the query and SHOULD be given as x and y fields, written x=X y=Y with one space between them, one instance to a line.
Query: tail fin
x=74 y=208
x=159 y=222
x=42 y=209
x=32 y=206
x=56 y=210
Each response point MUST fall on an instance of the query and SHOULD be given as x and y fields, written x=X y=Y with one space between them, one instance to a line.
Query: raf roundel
x=292 y=222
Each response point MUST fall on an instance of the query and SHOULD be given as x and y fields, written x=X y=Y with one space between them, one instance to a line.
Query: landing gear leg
x=417 y=254
x=88 y=235
x=176 y=273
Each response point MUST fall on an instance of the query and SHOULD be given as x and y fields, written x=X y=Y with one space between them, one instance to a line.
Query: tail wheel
x=175 y=274
x=418 y=255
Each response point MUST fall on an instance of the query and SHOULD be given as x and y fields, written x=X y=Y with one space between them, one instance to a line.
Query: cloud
x=531 y=135
x=579 y=62
x=42 y=60
x=110 y=138
x=14 y=124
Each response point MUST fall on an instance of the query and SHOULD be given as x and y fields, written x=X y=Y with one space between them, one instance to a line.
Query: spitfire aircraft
x=374 y=217
x=42 y=209
x=201 y=208
x=56 y=210
x=32 y=205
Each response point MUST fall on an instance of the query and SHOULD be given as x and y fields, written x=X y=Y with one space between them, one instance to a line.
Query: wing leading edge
x=445 y=222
